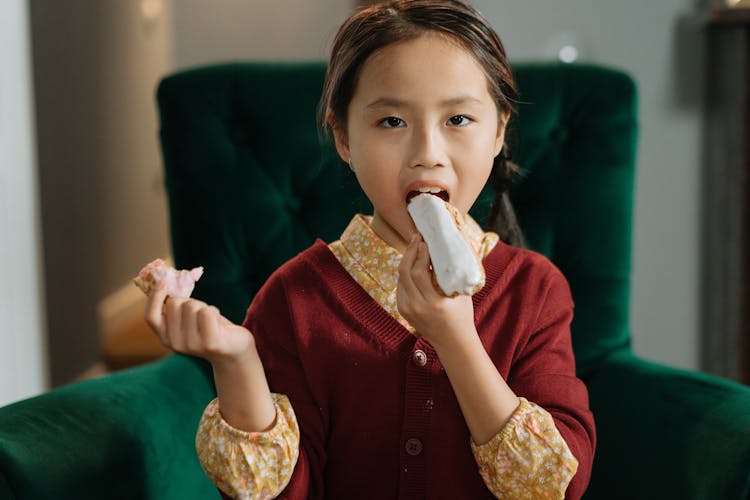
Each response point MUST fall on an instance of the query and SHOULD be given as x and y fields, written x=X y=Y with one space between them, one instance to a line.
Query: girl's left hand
x=437 y=318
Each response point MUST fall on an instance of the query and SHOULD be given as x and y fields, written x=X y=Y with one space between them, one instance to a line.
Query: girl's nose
x=427 y=148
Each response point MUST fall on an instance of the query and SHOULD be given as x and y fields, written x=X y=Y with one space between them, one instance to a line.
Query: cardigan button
x=413 y=447
x=420 y=357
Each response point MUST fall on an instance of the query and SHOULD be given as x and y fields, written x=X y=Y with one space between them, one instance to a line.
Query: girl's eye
x=458 y=120
x=392 y=122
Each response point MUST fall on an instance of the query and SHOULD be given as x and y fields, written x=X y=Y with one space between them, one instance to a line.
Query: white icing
x=456 y=266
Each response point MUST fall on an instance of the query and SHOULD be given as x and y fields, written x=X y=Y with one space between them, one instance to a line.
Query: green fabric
x=126 y=436
x=250 y=185
x=243 y=140
x=668 y=433
x=6 y=492
x=577 y=137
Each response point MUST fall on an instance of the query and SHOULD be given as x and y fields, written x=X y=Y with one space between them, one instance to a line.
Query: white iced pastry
x=179 y=283
x=456 y=266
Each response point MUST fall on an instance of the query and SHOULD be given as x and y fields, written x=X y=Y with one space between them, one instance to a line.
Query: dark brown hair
x=383 y=24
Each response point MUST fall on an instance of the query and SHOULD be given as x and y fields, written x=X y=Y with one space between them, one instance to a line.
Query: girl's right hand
x=192 y=327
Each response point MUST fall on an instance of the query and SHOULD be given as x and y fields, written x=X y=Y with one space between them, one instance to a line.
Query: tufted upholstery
x=250 y=185
x=267 y=187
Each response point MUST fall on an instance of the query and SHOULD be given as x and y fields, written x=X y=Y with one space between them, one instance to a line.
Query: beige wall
x=223 y=30
x=96 y=65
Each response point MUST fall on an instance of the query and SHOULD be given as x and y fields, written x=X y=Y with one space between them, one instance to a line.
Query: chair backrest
x=251 y=183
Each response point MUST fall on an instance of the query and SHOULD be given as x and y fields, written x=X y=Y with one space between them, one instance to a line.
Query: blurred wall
x=661 y=44
x=22 y=344
x=222 y=30
x=96 y=65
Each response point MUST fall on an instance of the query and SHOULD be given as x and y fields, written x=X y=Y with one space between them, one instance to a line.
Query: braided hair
x=502 y=218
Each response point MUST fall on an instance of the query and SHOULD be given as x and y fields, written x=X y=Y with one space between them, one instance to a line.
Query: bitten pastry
x=457 y=268
x=179 y=283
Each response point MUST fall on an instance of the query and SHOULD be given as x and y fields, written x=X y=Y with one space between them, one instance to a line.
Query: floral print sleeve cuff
x=249 y=465
x=528 y=458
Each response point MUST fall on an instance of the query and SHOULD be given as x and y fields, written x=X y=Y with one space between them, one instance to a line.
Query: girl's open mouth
x=435 y=191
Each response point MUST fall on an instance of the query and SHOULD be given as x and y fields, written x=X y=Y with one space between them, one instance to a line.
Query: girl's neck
x=387 y=233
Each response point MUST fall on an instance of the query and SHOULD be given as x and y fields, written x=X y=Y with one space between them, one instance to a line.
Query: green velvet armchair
x=251 y=183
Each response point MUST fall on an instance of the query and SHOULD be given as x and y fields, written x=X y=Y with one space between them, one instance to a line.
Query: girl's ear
x=341 y=140
x=501 y=125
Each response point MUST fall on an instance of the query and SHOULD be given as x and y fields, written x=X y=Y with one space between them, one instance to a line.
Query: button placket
x=419 y=400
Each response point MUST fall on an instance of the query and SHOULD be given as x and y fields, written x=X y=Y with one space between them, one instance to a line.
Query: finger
x=407 y=259
x=208 y=328
x=405 y=269
x=172 y=320
x=188 y=324
x=153 y=314
x=422 y=272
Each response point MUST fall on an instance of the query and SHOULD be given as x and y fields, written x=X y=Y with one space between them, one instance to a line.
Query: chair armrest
x=127 y=435
x=668 y=433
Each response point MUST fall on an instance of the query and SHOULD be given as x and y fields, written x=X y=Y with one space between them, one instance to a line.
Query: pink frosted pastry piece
x=179 y=283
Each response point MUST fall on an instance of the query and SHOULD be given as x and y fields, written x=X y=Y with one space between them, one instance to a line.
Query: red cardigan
x=377 y=414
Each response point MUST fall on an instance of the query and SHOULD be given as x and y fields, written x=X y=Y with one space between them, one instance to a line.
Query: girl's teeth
x=427 y=190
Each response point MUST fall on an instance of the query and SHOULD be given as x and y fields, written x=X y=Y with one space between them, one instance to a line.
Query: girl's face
x=421 y=116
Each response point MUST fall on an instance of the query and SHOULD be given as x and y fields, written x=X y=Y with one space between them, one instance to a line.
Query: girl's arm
x=516 y=441
x=244 y=397
x=486 y=400
x=248 y=439
x=193 y=327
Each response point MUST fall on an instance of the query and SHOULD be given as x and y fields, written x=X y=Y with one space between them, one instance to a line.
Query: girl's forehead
x=428 y=51
x=430 y=65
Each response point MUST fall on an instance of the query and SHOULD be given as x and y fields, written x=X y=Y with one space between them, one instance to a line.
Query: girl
x=352 y=376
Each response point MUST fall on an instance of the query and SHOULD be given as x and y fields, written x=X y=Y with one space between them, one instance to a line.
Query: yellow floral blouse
x=527 y=458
